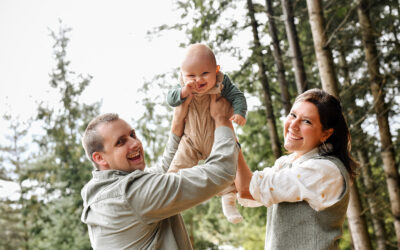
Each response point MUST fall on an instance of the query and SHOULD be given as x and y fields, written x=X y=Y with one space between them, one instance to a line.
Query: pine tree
x=62 y=168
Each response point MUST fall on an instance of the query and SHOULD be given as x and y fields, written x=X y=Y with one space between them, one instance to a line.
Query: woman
x=306 y=192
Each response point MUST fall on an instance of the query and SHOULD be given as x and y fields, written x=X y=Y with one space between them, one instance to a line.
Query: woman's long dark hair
x=331 y=116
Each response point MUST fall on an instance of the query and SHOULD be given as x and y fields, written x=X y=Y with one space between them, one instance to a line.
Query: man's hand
x=221 y=110
x=178 y=121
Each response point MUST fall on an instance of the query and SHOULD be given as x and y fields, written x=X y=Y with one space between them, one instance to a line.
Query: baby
x=201 y=77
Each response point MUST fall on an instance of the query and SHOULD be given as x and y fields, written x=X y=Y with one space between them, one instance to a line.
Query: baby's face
x=201 y=71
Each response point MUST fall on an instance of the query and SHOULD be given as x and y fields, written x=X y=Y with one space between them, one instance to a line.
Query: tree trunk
x=257 y=50
x=280 y=68
x=329 y=81
x=376 y=86
x=356 y=220
x=295 y=51
x=378 y=224
x=322 y=51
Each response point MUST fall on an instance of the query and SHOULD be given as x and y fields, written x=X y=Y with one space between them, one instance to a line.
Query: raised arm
x=221 y=111
x=177 y=127
x=178 y=121
x=243 y=178
x=235 y=96
x=169 y=194
x=174 y=96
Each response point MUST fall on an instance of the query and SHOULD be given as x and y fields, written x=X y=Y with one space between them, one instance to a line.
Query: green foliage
x=255 y=141
x=154 y=125
x=60 y=227
x=209 y=228
x=61 y=168
x=46 y=216
x=14 y=213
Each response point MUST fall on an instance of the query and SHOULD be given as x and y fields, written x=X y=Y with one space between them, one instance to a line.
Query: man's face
x=122 y=149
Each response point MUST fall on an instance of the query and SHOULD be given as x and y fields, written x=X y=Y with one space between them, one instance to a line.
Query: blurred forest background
x=348 y=48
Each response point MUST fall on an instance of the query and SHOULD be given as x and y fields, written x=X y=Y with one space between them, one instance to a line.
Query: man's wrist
x=177 y=126
x=223 y=121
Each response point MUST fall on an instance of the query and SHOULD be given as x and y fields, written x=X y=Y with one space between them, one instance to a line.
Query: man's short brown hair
x=92 y=141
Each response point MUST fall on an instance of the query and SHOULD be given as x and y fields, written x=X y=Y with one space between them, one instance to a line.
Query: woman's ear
x=326 y=134
x=218 y=68
x=99 y=160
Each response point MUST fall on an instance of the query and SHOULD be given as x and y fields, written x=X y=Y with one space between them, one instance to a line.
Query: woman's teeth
x=294 y=137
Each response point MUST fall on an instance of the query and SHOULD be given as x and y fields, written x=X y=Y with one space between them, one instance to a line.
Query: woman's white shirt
x=316 y=181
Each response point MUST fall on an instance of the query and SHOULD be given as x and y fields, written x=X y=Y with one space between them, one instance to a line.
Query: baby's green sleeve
x=174 y=96
x=234 y=96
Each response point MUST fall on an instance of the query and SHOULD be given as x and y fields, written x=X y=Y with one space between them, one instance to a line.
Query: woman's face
x=303 y=129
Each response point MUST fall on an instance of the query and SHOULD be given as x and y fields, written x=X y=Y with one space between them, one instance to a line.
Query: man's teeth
x=134 y=154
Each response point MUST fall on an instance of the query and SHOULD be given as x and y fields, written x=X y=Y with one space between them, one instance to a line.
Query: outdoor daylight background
x=108 y=42
x=63 y=62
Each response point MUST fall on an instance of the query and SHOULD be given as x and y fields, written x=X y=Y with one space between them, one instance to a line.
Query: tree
x=322 y=51
x=62 y=168
x=360 y=143
x=329 y=81
x=295 y=51
x=257 y=53
x=154 y=125
x=14 y=216
x=280 y=68
x=381 y=110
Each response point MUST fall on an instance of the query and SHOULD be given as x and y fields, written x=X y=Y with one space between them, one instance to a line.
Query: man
x=128 y=206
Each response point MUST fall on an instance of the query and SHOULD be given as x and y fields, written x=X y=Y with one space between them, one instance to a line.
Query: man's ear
x=326 y=134
x=99 y=159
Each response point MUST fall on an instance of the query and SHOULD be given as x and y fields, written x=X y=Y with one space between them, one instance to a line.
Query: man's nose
x=134 y=143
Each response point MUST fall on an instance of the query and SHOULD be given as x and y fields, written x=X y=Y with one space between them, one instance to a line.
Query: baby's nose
x=198 y=78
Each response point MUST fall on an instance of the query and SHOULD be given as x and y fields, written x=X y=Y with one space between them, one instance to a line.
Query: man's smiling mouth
x=134 y=155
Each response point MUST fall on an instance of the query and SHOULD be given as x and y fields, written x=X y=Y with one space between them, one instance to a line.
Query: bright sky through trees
x=108 y=41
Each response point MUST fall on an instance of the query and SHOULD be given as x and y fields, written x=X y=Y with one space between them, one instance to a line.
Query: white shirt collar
x=309 y=154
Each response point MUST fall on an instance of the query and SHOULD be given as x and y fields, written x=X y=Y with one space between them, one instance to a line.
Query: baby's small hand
x=238 y=119
x=187 y=90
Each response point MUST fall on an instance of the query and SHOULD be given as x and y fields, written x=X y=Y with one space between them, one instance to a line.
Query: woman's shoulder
x=328 y=163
